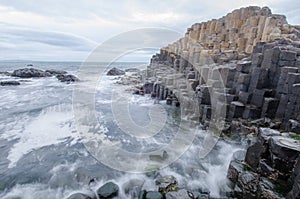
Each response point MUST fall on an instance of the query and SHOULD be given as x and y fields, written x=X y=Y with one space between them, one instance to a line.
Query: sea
x=42 y=154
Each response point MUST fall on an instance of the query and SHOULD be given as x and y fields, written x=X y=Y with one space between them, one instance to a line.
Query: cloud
x=73 y=28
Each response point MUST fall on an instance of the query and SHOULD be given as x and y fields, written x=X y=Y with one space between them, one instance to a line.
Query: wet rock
x=159 y=158
x=5 y=73
x=265 y=189
x=265 y=168
x=67 y=78
x=166 y=184
x=248 y=182
x=133 y=187
x=169 y=100
x=253 y=155
x=56 y=72
x=234 y=170
x=9 y=83
x=284 y=152
x=180 y=194
x=153 y=195
x=239 y=155
x=81 y=196
x=285 y=148
x=115 y=72
x=295 y=178
x=132 y=70
x=108 y=190
x=29 y=73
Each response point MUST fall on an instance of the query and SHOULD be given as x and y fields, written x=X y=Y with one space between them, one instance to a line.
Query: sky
x=69 y=30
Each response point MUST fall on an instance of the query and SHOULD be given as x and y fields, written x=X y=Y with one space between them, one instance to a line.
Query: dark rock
x=265 y=189
x=236 y=109
x=265 y=168
x=115 y=72
x=253 y=155
x=234 y=170
x=248 y=182
x=108 y=190
x=56 y=72
x=29 y=73
x=285 y=148
x=288 y=55
x=169 y=101
x=132 y=70
x=67 y=78
x=9 y=83
x=153 y=195
x=295 y=178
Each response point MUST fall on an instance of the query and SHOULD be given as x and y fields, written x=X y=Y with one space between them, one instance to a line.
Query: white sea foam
x=52 y=126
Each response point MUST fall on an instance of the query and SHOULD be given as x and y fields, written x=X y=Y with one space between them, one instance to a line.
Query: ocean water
x=42 y=155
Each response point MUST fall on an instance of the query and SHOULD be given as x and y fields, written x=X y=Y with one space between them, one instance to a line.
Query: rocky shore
x=240 y=75
x=62 y=76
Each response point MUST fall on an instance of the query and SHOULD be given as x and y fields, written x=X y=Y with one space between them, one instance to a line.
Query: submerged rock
x=29 y=73
x=159 y=158
x=5 y=73
x=133 y=187
x=81 y=196
x=153 y=195
x=108 y=190
x=9 y=83
x=115 y=72
x=67 y=78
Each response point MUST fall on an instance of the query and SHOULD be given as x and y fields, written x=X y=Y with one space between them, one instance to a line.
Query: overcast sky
x=68 y=30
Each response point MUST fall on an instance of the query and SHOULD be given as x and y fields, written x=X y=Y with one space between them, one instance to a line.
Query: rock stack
x=244 y=65
x=242 y=70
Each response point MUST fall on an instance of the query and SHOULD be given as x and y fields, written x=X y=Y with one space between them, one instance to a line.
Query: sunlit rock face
x=243 y=65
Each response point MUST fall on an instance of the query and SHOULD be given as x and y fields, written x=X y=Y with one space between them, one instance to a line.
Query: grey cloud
x=20 y=35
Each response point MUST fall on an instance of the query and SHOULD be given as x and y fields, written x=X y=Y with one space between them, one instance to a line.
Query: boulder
x=108 y=190
x=115 y=72
x=9 y=83
x=67 y=78
x=253 y=155
x=29 y=73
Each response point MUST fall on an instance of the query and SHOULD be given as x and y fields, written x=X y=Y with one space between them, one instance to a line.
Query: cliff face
x=241 y=67
x=244 y=65
x=238 y=31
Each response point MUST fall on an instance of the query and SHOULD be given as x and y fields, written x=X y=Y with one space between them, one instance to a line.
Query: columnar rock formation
x=244 y=65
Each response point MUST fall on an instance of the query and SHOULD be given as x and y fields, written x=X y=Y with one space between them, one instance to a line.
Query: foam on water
x=49 y=127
